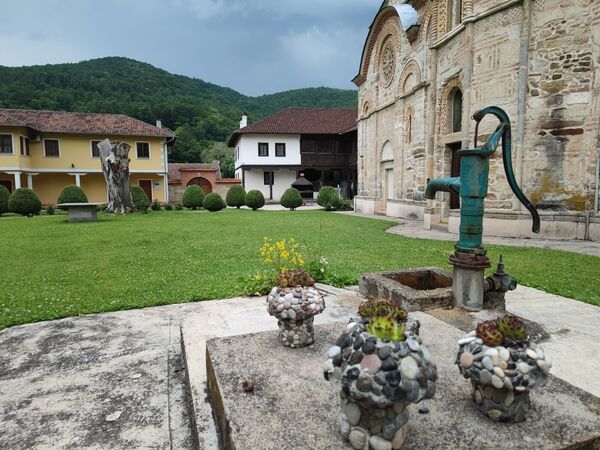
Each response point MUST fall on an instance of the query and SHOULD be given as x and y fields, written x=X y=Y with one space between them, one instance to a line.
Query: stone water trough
x=412 y=289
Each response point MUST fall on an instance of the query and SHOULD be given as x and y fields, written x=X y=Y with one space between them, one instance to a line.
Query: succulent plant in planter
x=294 y=302
x=381 y=366
x=503 y=367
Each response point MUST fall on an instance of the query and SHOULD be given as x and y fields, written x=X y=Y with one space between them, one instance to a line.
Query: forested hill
x=202 y=113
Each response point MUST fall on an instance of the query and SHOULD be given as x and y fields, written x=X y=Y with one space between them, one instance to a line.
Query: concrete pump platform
x=293 y=407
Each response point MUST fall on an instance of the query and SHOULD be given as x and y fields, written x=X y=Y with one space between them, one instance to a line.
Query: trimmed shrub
x=72 y=194
x=4 y=195
x=255 y=200
x=193 y=197
x=236 y=196
x=168 y=207
x=49 y=210
x=291 y=198
x=24 y=201
x=178 y=207
x=213 y=202
x=155 y=206
x=329 y=199
x=140 y=199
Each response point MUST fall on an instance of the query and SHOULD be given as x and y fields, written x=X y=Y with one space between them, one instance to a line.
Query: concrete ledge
x=293 y=407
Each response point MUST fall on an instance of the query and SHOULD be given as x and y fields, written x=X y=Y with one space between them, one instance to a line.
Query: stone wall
x=537 y=59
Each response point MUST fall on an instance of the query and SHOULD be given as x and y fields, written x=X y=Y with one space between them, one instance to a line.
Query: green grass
x=53 y=269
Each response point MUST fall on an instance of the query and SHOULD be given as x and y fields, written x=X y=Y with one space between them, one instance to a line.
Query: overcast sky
x=253 y=46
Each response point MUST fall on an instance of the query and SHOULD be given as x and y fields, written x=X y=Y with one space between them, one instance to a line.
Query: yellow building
x=48 y=150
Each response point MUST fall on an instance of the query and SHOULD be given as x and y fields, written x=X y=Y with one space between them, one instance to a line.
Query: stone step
x=293 y=407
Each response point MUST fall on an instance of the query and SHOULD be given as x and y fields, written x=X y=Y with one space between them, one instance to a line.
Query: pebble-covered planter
x=379 y=378
x=502 y=376
x=295 y=309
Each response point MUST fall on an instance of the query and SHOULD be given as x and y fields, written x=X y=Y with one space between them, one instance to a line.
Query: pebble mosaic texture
x=379 y=379
x=295 y=309
x=502 y=376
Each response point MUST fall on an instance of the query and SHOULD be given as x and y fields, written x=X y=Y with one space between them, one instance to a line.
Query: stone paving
x=414 y=229
x=118 y=380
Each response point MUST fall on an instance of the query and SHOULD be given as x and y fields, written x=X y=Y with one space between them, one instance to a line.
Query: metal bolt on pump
x=469 y=259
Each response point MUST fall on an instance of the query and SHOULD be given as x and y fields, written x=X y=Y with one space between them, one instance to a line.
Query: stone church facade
x=428 y=65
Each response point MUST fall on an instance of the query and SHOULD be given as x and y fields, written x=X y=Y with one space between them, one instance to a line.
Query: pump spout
x=442 y=185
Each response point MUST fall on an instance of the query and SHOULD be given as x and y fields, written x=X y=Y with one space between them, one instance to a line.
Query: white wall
x=254 y=179
x=247 y=147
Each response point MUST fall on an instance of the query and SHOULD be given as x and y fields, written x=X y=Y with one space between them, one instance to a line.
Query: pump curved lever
x=501 y=115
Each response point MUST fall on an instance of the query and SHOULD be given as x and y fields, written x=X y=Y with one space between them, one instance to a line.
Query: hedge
x=72 y=194
x=140 y=199
x=193 y=197
x=4 y=195
x=291 y=199
x=213 y=202
x=255 y=200
x=24 y=201
x=236 y=196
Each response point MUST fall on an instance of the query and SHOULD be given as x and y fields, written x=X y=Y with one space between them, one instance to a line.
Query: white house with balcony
x=316 y=144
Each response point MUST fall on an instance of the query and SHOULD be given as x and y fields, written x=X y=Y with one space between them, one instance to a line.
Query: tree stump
x=115 y=167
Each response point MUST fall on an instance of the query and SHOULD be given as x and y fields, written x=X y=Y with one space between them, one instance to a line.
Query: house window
x=269 y=177
x=6 y=143
x=24 y=146
x=51 y=148
x=280 y=150
x=263 y=149
x=143 y=150
x=456 y=98
x=95 y=149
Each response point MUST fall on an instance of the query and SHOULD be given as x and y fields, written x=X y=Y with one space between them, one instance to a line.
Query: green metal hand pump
x=472 y=186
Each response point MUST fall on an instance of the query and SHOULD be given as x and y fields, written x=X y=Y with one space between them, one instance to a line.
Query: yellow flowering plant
x=281 y=255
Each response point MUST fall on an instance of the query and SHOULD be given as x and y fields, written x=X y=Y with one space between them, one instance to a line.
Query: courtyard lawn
x=54 y=269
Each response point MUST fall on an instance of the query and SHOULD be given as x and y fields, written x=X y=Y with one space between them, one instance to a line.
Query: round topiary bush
x=255 y=200
x=329 y=198
x=49 y=210
x=236 y=196
x=72 y=194
x=4 y=195
x=24 y=201
x=140 y=199
x=193 y=197
x=291 y=198
x=213 y=202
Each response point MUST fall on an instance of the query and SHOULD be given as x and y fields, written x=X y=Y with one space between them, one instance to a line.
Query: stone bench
x=81 y=212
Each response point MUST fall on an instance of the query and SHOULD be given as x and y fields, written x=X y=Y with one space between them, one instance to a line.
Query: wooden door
x=455 y=172
x=146 y=185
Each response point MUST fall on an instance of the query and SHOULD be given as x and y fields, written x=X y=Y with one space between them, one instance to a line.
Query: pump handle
x=506 y=158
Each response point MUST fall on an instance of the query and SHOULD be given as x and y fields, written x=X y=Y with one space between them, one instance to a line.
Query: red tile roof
x=80 y=123
x=175 y=169
x=302 y=121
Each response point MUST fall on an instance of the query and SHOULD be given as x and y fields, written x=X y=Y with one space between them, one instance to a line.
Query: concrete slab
x=234 y=317
x=61 y=380
x=574 y=329
x=293 y=407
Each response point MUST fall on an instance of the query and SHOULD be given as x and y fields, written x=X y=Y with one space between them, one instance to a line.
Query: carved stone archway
x=445 y=104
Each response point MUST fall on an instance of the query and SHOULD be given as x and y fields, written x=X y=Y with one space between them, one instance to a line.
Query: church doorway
x=454 y=171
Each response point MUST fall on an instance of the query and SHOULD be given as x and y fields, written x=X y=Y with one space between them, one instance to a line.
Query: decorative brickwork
x=411 y=68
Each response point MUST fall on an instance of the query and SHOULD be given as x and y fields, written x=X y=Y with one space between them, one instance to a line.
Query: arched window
x=409 y=130
x=456 y=107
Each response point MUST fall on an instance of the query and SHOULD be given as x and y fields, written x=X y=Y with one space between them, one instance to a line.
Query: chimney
x=244 y=121
x=158 y=123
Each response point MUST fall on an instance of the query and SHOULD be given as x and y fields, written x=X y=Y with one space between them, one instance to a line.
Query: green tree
x=193 y=197
x=72 y=194
x=236 y=196
x=140 y=199
x=25 y=202
x=291 y=199
x=4 y=195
